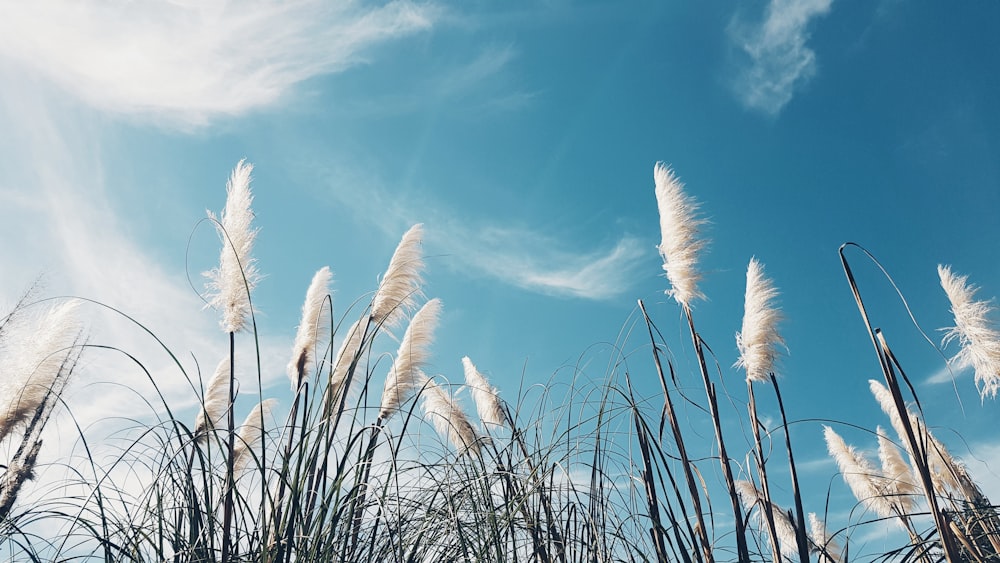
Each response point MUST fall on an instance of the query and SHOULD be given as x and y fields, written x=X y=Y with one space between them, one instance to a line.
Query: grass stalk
x=727 y=472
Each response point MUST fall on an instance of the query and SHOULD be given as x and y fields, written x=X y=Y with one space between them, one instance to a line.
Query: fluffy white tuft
x=231 y=283
x=448 y=418
x=216 y=403
x=897 y=478
x=976 y=334
x=829 y=550
x=38 y=353
x=940 y=462
x=413 y=353
x=758 y=341
x=309 y=327
x=859 y=474
x=783 y=526
x=250 y=434
x=679 y=229
x=400 y=285
x=487 y=398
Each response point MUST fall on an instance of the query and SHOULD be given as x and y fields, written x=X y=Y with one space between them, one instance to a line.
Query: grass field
x=376 y=461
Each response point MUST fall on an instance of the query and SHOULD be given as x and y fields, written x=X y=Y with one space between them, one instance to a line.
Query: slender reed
x=230 y=286
x=680 y=225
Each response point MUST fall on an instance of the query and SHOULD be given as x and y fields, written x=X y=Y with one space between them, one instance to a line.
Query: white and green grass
x=376 y=461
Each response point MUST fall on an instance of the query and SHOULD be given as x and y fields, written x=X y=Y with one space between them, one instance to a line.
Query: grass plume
x=231 y=283
x=976 y=334
x=681 y=241
x=309 y=327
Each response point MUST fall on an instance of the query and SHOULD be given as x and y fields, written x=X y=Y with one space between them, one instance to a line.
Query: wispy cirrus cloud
x=183 y=63
x=520 y=256
x=541 y=263
x=58 y=221
x=780 y=61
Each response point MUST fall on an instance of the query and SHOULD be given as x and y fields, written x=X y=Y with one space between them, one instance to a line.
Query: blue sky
x=523 y=135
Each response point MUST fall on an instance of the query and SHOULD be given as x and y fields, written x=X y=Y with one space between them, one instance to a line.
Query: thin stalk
x=800 y=528
x=767 y=507
x=727 y=472
x=227 y=507
x=918 y=448
x=554 y=533
x=285 y=467
x=686 y=462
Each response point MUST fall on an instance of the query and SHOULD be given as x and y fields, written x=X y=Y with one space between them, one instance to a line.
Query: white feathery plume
x=486 y=396
x=679 y=229
x=888 y=405
x=35 y=364
x=898 y=482
x=944 y=469
x=751 y=496
x=309 y=327
x=230 y=284
x=448 y=418
x=216 y=401
x=828 y=548
x=349 y=350
x=413 y=353
x=939 y=461
x=859 y=474
x=250 y=435
x=976 y=334
x=400 y=286
x=758 y=341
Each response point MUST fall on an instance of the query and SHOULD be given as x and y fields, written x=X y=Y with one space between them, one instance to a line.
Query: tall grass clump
x=39 y=351
x=379 y=456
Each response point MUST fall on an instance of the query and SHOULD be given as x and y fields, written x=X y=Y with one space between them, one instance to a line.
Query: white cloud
x=519 y=256
x=58 y=221
x=780 y=60
x=947 y=374
x=184 y=63
x=532 y=261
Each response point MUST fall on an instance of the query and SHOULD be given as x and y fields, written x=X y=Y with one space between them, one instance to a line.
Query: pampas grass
x=828 y=548
x=251 y=434
x=784 y=539
x=858 y=473
x=362 y=468
x=488 y=405
x=231 y=283
x=680 y=242
x=413 y=353
x=309 y=327
x=216 y=401
x=759 y=340
x=36 y=370
x=400 y=286
x=897 y=477
x=975 y=332
x=448 y=418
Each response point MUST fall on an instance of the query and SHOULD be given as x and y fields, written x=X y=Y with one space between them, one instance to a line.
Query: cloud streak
x=519 y=256
x=780 y=62
x=535 y=262
x=186 y=63
x=68 y=228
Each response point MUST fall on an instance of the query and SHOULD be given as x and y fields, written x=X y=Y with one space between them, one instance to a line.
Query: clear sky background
x=523 y=135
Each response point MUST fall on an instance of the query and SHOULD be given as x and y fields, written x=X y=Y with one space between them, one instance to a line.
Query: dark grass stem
x=917 y=447
x=699 y=534
x=800 y=520
x=727 y=472
x=227 y=507
x=767 y=507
